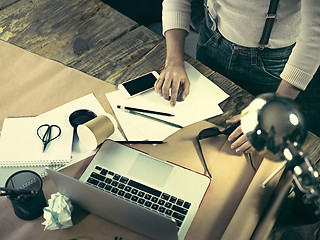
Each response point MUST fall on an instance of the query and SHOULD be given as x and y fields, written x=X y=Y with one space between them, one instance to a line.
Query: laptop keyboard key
x=168 y=212
x=179 y=223
x=128 y=195
x=93 y=181
x=178 y=216
x=165 y=196
x=168 y=205
x=124 y=180
x=121 y=193
x=179 y=209
x=141 y=201
x=161 y=202
x=147 y=196
x=114 y=183
x=108 y=180
x=116 y=177
x=155 y=206
x=148 y=204
x=114 y=190
x=134 y=198
x=173 y=199
x=161 y=209
x=179 y=202
x=186 y=205
x=108 y=187
x=134 y=191
x=97 y=176
x=104 y=172
x=154 y=199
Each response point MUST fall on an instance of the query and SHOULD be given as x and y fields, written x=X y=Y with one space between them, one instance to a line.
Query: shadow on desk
x=78 y=214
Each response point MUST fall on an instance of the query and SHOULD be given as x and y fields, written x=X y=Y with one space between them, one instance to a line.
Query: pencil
x=144 y=110
x=156 y=119
x=141 y=142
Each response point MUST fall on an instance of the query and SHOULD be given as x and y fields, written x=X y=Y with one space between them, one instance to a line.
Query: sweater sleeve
x=176 y=14
x=305 y=57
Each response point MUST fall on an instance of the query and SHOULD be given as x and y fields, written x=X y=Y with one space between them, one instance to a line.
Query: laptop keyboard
x=140 y=194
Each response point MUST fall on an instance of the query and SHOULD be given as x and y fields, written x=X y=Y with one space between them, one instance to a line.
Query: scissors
x=46 y=137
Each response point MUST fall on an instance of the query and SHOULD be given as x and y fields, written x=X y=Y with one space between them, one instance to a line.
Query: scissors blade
x=46 y=136
x=44 y=146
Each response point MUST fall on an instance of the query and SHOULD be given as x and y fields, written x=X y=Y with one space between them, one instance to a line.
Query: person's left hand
x=239 y=141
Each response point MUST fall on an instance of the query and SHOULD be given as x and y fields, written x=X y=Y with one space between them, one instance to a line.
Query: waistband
x=212 y=26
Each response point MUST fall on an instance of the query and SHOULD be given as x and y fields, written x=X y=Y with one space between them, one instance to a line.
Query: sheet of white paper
x=201 y=103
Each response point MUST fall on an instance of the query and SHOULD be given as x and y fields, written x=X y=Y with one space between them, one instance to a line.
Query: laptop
x=155 y=198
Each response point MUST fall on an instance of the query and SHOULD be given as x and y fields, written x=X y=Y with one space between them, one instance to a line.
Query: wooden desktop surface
x=93 y=38
x=90 y=36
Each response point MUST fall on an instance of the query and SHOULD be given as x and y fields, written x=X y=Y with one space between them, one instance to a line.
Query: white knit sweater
x=242 y=22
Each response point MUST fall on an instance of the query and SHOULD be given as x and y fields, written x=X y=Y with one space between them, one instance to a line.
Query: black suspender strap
x=270 y=19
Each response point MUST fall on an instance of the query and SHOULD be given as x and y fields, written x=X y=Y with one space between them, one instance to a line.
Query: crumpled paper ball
x=58 y=213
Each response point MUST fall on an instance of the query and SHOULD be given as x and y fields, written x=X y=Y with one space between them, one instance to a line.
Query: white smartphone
x=139 y=85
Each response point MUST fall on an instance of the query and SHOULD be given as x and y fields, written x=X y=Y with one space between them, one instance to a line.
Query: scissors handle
x=46 y=138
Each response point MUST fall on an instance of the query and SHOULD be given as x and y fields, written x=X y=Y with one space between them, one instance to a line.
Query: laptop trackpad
x=150 y=170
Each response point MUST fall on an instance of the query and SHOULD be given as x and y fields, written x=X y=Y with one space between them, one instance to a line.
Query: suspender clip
x=271 y=16
x=261 y=47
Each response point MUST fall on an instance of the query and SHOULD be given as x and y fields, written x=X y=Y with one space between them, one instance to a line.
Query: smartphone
x=139 y=85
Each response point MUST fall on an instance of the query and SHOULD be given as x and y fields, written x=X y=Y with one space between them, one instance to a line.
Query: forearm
x=305 y=58
x=175 y=46
x=288 y=90
x=174 y=77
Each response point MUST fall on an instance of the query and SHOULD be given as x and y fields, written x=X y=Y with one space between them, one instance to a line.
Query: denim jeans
x=255 y=70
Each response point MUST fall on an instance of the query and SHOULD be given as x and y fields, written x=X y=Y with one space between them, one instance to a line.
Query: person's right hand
x=173 y=77
x=239 y=140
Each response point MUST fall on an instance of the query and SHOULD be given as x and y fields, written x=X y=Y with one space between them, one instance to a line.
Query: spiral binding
x=44 y=163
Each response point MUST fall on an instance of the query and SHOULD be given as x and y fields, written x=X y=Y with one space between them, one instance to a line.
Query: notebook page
x=21 y=146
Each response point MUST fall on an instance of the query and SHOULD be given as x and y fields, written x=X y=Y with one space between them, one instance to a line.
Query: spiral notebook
x=20 y=146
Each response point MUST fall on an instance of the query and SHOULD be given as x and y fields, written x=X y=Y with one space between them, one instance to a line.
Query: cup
x=27 y=206
x=97 y=130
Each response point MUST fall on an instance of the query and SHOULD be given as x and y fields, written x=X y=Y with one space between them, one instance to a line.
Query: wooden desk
x=91 y=37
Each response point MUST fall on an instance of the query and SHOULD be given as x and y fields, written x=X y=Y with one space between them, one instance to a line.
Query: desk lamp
x=276 y=129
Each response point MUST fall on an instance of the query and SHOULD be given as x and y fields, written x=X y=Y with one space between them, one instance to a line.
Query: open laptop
x=149 y=196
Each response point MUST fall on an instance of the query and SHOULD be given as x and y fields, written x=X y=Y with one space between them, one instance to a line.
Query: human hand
x=173 y=76
x=239 y=141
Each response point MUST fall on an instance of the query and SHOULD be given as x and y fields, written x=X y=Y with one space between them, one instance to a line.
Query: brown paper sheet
x=247 y=216
x=31 y=85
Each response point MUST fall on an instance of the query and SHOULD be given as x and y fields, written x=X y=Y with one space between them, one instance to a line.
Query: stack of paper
x=21 y=146
x=201 y=103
